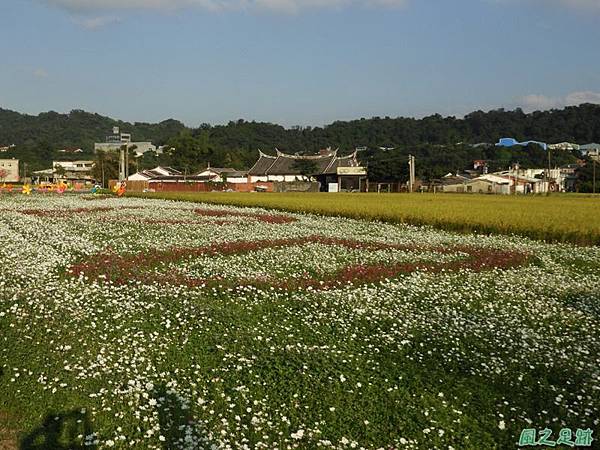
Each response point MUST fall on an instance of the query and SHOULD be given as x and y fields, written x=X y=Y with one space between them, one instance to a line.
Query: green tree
x=106 y=167
x=60 y=171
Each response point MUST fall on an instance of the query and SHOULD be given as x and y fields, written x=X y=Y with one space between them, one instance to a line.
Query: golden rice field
x=559 y=218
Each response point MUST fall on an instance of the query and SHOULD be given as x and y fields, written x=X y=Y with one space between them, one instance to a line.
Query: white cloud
x=287 y=6
x=577 y=98
x=535 y=102
x=94 y=23
x=387 y=3
x=40 y=73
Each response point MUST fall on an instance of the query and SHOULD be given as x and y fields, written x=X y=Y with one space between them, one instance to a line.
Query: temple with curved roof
x=326 y=167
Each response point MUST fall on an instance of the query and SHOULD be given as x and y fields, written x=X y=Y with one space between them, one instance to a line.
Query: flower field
x=557 y=218
x=153 y=324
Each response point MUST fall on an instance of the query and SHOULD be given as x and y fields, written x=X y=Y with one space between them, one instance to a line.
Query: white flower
x=298 y=434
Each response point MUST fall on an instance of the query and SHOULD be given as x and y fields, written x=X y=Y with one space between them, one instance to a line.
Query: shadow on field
x=583 y=302
x=59 y=431
x=177 y=424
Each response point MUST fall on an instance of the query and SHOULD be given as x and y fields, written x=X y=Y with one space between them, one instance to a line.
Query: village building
x=117 y=140
x=511 y=142
x=515 y=182
x=170 y=175
x=564 y=146
x=9 y=170
x=451 y=182
x=69 y=171
x=590 y=149
x=163 y=178
x=481 y=185
x=504 y=183
x=70 y=150
x=333 y=173
x=6 y=148
x=159 y=172
x=480 y=165
x=224 y=174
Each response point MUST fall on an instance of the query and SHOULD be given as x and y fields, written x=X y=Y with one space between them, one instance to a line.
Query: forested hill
x=75 y=129
x=81 y=129
x=441 y=144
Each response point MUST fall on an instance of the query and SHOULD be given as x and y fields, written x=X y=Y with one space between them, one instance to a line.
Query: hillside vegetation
x=441 y=144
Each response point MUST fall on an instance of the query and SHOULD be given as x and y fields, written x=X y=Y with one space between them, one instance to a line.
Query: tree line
x=440 y=144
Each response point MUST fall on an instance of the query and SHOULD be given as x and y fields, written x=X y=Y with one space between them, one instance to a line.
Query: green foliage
x=106 y=167
x=60 y=170
x=437 y=142
x=585 y=177
x=76 y=129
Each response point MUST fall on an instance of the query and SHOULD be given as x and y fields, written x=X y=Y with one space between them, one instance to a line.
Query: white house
x=71 y=150
x=224 y=174
x=156 y=173
x=564 y=146
x=73 y=170
x=519 y=181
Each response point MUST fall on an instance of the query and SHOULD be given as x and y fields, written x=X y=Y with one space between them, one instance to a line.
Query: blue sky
x=296 y=62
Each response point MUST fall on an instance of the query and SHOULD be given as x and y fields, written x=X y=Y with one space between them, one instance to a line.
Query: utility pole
x=549 y=168
x=411 y=170
x=126 y=163
x=102 y=169
x=122 y=164
x=594 y=176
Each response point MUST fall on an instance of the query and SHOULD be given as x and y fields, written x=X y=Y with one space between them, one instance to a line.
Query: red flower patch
x=187 y=222
x=144 y=266
x=72 y=211
x=267 y=218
